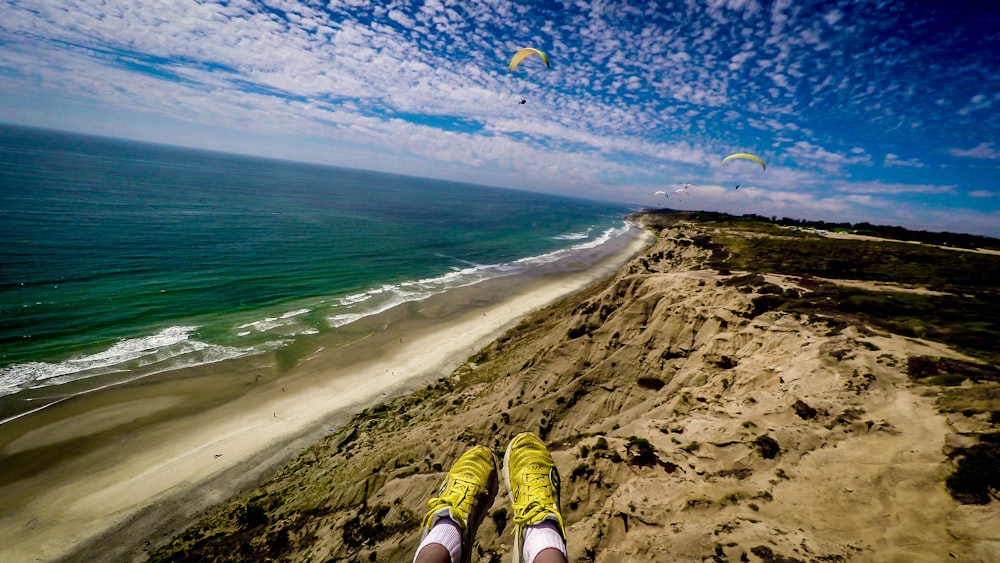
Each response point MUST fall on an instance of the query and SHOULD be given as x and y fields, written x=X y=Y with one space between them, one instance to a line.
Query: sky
x=864 y=110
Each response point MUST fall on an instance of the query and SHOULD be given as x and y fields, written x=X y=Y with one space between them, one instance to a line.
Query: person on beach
x=532 y=481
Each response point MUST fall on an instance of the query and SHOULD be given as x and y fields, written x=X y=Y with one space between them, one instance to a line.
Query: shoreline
x=146 y=461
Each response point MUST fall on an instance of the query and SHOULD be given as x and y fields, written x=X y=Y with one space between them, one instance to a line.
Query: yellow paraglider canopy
x=746 y=156
x=524 y=53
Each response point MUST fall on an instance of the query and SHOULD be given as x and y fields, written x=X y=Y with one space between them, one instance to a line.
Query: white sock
x=446 y=533
x=542 y=536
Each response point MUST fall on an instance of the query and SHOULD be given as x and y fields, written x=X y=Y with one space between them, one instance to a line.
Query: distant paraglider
x=746 y=156
x=523 y=54
x=660 y=192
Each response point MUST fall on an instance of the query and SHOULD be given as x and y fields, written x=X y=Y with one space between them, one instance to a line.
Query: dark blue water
x=123 y=257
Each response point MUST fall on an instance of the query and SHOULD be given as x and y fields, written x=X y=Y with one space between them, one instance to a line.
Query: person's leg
x=532 y=481
x=550 y=555
x=433 y=553
x=460 y=507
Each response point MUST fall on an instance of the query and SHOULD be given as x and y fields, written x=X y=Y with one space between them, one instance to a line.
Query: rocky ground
x=691 y=418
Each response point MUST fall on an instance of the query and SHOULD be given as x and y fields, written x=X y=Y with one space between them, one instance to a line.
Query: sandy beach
x=123 y=463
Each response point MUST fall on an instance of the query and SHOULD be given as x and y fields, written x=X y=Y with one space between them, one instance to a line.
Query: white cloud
x=894 y=160
x=736 y=62
x=808 y=154
x=887 y=188
x=982 y=150
x=979 y=102
x=983 y=194
x=865 y=200
x=401 y=18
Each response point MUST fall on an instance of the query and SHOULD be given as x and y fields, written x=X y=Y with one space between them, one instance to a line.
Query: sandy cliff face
x=688 y=424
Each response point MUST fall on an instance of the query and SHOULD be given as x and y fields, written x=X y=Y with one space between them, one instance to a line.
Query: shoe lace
x=538 y=499
x=460 y=497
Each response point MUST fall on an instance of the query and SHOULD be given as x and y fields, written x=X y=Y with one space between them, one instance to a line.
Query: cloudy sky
x=865 y=110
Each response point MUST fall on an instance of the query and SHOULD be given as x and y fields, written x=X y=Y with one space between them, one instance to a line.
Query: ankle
x=544 y=543
x=446 y=534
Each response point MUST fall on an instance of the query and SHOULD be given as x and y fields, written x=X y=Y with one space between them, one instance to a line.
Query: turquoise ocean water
x=127 y=259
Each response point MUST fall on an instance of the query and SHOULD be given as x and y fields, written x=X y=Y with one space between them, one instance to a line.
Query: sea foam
x=355 y=307
x=125 y=355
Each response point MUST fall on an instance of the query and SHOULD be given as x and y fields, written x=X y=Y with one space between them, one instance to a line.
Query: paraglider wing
x=524 y=53
x=660 y=192
x=746 y=156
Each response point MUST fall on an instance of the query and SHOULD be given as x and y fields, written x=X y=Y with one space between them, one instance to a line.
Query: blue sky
x=880 y=111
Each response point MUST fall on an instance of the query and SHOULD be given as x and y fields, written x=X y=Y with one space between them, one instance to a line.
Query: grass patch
x=946 y=371
x=965 y=322
x=963 y=318
x=928 y=266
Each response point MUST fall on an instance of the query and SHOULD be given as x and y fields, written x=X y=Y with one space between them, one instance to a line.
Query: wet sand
x=101 y=472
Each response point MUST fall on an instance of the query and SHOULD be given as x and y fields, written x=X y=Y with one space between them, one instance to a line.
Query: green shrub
x=641 y=452
x=767 y=446
x=249 y=516
x=978 y=471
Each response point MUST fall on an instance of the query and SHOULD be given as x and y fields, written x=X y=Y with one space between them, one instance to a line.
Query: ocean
x=123 y=260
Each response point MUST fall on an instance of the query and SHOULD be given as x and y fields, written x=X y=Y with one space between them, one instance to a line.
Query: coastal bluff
x=694 y=415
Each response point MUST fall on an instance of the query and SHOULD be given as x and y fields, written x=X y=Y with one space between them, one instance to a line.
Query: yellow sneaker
x=466 y=495
x=533 y=485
